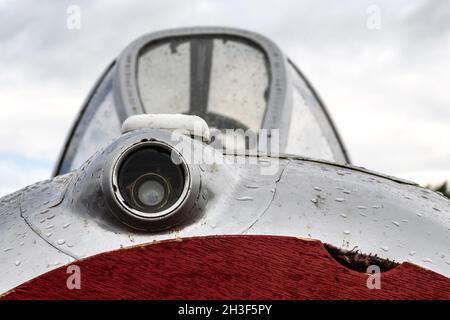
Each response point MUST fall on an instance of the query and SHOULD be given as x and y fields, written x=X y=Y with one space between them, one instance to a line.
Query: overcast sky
x=385 y=84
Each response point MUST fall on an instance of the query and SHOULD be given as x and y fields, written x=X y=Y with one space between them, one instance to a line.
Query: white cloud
x=16 y=175
x=36 y=117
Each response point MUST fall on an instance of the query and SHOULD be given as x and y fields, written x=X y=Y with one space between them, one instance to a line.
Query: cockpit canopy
x=221 y=79
x=233 y=79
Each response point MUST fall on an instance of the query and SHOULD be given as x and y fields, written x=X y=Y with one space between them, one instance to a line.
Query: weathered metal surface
x=68 y=218
x=25 y=251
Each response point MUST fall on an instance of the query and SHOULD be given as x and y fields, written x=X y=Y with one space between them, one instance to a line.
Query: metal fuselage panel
x=24 y=251
x=58 y=221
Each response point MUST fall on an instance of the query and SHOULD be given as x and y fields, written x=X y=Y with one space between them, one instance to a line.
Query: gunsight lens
x=149 y=181
x=151 y=193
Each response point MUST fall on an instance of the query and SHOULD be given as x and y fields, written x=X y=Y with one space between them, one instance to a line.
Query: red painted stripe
x=230 y=267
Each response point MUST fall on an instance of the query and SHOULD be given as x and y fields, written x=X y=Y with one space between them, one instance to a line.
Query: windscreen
x=311 y=133
x=223 y=79
x=97 y=126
